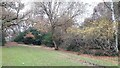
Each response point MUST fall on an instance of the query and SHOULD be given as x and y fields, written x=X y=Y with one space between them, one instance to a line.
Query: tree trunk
x=3 y=39
x=53 y=38
x=3 y=36
x=56 y=47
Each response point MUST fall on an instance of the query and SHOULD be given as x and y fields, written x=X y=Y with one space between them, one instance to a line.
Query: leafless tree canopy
x=60 y=14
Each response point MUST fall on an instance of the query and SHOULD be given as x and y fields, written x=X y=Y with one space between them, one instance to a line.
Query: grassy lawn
x=0 y=56
x=37 y=56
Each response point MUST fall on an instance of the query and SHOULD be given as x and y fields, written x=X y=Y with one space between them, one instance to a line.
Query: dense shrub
x=38 y=36
x=24 y=37
x=47 y=39
x=71 y=43
x=36 y=42
x=38 y=39
x=20 y=37
x=99 y=46
x=97 y=34
x=28 y=40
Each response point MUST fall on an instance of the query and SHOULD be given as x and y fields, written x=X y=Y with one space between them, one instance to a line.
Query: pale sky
x=88 y=12
x=91 y=2
x=87 y=1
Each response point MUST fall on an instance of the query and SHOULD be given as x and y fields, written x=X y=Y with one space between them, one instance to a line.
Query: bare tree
x=11 y=15
x=56 y=10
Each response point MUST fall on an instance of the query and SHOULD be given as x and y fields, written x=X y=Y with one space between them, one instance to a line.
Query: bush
x=47 y=40
x=20 y=37
x=70 y=44
x=38 y=36
x=28 y=40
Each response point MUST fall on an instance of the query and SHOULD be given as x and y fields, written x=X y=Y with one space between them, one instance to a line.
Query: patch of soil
x=11 y=44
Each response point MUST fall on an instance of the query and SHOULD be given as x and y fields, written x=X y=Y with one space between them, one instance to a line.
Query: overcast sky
x=89 y=8
x=91 y=2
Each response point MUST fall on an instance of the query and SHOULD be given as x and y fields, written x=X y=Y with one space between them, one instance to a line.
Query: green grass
x=37 y=56
x=0 y=56
x=26 y=56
